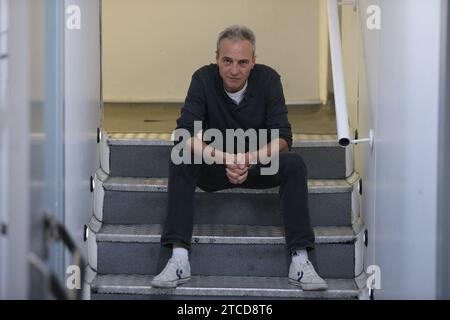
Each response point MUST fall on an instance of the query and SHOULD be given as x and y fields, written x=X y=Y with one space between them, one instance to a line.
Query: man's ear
x=217 y=55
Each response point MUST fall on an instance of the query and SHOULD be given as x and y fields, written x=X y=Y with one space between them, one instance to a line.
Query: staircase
x=238 y=247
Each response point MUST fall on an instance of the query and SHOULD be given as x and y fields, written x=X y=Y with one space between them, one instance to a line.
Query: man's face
x=235 y=60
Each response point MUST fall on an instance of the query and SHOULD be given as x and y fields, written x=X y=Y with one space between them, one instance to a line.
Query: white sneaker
x=304 y=275
x=176 y=272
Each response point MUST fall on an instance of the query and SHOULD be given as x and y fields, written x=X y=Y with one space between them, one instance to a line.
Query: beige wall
x=152 y=47
x=324 y=53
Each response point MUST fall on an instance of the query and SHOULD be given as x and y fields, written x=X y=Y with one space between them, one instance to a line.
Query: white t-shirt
x=238 y=96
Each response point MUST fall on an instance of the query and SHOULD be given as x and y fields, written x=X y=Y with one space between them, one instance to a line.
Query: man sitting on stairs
x=237 y=93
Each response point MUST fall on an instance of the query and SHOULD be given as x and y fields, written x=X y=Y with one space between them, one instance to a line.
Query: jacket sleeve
x=194 y=108
x=277 y=113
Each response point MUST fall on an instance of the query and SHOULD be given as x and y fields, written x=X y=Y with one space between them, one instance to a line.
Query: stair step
x=221 y=286
x=165 y=139
x=160 y=185
x=223 y=250
x=144 y=201
x=238 y=245
x=129 y=154
x=221 y=234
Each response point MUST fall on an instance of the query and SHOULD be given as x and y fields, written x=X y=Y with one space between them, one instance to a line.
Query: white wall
x=368 y=61
x=399 y=98
x=443 y=248
x=152 y=47
x=15 y=150
x=82 y=116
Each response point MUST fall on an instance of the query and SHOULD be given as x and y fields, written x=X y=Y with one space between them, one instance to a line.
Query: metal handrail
x=334 y=31
x=340 y=98
x=55 y=231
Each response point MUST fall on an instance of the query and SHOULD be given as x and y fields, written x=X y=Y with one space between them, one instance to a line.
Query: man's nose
x=234 y=69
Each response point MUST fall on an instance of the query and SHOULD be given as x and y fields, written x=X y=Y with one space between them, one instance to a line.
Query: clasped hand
x=236 y=166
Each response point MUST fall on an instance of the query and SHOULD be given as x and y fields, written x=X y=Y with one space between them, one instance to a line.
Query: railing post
x=338 y=74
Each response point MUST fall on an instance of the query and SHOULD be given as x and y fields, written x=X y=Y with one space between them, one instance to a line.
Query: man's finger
x=231 y=166
x=237 y=180
x=232 y=173
x=242 y=178
x=240 y=171
x=230 y=159
x=240 y=159
x=232 y=180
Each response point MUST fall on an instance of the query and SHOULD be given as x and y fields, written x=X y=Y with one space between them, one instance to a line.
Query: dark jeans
x=293 y=192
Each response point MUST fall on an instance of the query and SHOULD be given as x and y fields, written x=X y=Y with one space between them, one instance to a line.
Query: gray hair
x=237 y=32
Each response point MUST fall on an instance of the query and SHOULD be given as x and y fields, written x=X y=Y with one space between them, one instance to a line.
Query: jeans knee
x=293 y=161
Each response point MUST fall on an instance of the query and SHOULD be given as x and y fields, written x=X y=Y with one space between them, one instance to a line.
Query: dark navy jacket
x=263 y=105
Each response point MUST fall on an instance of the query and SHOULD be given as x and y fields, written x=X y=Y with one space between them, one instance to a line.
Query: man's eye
x=226 y=60
x=245 y=62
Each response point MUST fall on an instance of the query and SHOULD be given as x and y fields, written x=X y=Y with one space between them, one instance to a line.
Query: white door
x=14 y=149
x=82 y=112
x=49 y=114
x=4 y=149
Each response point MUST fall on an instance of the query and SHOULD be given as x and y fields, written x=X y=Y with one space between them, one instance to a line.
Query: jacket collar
x=219 y=83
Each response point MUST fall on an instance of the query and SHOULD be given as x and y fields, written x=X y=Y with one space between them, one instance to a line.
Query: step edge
x=165 y=139
x=160 y=185
x=324 y=235
x=190 y=290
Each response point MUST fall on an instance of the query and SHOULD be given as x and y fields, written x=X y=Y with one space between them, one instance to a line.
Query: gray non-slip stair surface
x=219 y=250
x=138 y=200
x=130 y=154
x=138 y=287
x=238 y=245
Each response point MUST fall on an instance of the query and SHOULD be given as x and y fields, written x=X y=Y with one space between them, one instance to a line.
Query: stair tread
x=160 y=185
x=221 y=234
x=164 y=139
x=223 y=286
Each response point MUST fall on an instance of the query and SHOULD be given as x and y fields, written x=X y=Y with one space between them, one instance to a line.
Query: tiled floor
x=161 y=117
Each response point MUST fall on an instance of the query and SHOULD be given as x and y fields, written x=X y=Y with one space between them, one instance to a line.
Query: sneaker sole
x=309 y=286
x=169 y=284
